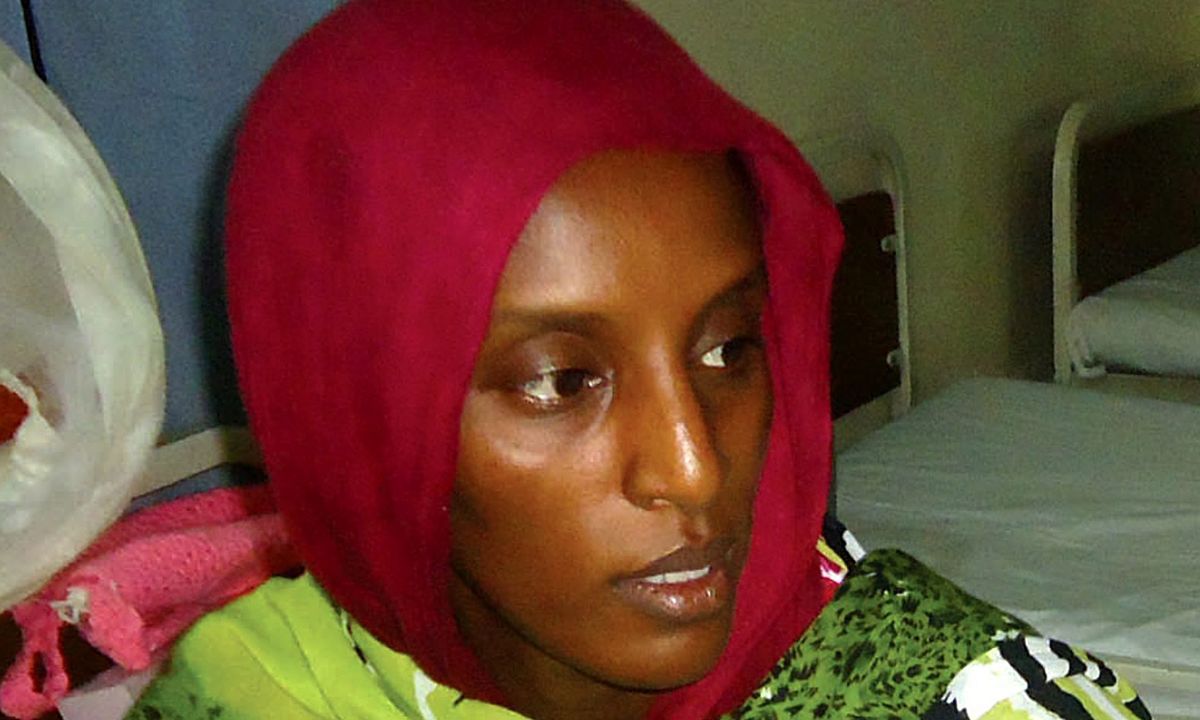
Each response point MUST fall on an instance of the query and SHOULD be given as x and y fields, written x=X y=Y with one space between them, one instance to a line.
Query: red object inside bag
x=12 y=413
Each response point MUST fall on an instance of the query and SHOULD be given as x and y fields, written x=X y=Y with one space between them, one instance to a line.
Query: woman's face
x=614 y=431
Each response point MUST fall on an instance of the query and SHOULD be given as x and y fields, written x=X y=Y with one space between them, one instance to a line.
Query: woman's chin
x=668 y=663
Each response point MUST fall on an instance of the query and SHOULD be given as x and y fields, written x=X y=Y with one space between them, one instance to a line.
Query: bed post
x=1066 y=282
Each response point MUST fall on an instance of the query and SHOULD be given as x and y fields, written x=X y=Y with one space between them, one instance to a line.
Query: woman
x=531 y=324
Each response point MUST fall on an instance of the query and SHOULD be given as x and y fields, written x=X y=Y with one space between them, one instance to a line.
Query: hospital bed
x=1078 y=511
x=1126 y=253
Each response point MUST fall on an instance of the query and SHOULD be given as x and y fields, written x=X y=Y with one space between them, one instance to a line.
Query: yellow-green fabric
x=285 y=651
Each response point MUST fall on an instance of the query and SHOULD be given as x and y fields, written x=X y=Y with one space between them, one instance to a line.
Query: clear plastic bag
x=80 y=339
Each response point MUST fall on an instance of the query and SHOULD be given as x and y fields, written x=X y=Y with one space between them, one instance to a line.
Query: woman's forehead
x=623 y=223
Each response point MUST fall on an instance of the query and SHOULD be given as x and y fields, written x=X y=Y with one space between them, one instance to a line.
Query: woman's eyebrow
x=585 y=322
x=538 y=321
x=753 y=281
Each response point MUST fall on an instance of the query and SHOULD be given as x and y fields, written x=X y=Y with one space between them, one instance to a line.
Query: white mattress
x=1149 y=323
x=1077 y=511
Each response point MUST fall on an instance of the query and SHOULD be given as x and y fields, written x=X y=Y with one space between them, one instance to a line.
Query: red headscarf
x=386 y=167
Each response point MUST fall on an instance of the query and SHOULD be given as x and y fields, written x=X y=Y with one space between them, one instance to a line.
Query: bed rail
x=197 y=453
x=853 y=164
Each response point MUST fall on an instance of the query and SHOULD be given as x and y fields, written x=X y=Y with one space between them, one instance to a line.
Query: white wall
x=971 y=92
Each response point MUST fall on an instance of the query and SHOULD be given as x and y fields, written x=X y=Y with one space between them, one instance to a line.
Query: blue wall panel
x=160 y=87
x=12 y=27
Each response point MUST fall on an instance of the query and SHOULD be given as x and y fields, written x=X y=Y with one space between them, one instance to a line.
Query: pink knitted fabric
x=143 y=583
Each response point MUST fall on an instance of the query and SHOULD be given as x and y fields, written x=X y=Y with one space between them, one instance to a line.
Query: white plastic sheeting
x=78 y=327
x=1077 y=511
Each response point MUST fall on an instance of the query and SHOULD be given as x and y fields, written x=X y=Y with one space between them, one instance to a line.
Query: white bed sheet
x=1075 y=510
x=1148 y=323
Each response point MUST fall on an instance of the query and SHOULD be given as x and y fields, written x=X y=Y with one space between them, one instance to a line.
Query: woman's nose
x=673 y=458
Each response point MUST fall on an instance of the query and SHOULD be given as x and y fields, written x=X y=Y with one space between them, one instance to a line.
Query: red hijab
x=385 y=168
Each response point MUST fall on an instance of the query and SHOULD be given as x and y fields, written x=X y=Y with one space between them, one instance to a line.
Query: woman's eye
x=728 y=354
x=555 y=386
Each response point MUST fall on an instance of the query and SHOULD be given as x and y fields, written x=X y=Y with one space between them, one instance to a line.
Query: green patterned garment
x=897 y=641
x=886 y=647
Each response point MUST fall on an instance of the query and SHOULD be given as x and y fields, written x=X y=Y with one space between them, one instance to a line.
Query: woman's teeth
x=682 y=576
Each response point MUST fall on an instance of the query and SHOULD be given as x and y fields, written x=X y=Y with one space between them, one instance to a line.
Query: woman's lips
x=685 y=586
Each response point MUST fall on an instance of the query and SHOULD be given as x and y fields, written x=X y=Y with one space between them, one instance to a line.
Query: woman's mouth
x=685 y=586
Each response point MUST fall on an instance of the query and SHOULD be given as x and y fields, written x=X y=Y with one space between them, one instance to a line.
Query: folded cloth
x=142 y=583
